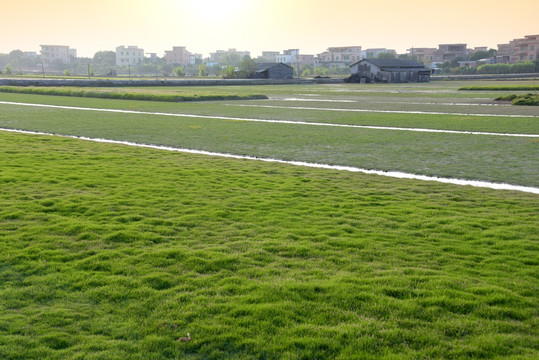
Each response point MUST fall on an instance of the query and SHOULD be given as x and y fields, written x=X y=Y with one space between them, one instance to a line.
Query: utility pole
x=297 y=61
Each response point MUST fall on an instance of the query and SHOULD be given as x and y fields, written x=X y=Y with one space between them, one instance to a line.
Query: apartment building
x=130 y=55
x=346 y=54
x=195 y=59
x=294 y=58
x=269 y=56
x=503 y=55
x=62 y=53
x=306 y=59
x=444 y=52
x=340 y=56
x=289 y=56
x=424 y=55
x=178 y=55
x=526 y=49
x=519 y=50
x=448 y=52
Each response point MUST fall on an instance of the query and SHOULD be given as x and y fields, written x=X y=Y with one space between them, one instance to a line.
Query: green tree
x=179 y=71
x=16 y=58
x=4 y=60
x=247 y=67
x=166 y=69
x=104 y=62
x=229 y=72
x=215 y=70
x=104 y=59
x=479 y=55
x=321 y=71
x=230 y=58
x=203 y=70
x=306 y=72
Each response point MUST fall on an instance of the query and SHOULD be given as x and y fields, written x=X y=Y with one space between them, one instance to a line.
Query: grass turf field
x=114 y=252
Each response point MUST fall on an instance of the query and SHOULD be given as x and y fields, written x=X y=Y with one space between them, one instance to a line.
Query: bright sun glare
x=215 y=10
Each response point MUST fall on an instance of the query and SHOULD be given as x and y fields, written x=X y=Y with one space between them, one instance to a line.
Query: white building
x=194 y=58
x=289 y=56
x=131 y=55
x=62 y=53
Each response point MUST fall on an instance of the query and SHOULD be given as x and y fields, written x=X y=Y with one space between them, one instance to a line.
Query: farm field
x=511 y=160
x=113 y=251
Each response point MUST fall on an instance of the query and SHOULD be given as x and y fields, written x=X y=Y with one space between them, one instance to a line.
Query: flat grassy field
x=513 y=160
x=114 y=252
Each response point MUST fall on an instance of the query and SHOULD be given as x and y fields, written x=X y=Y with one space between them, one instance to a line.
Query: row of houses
x=363 y=70
x=522 y=49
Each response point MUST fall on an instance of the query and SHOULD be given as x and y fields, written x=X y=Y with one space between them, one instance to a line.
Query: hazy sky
x=204 y=26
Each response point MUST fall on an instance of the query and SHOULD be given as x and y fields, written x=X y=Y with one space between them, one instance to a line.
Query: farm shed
x=274 y=71
x=389 y=71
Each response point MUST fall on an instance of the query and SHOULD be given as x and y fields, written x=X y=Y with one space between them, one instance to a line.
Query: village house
x=274 y=71
x=178 y=56
x=389 y=71
x=526 y=49
x=61 y=53
x=424 y=55
x=518 y=50
x=268 y=56
x=294 y=58
x=444 y=52
x=448 y=52
x=131 y=55
x=339 y=56
x=503 y=55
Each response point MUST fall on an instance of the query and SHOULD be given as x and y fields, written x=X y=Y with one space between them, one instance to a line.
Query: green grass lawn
x=114 y=252
x=498 y=159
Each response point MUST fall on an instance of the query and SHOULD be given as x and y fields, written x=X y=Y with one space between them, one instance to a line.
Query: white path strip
x=273 y=121
x=393 y=174
x=386 y=102
x=382 y=111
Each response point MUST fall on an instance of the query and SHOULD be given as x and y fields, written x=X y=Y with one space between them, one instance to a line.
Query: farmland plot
x=108 y=251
